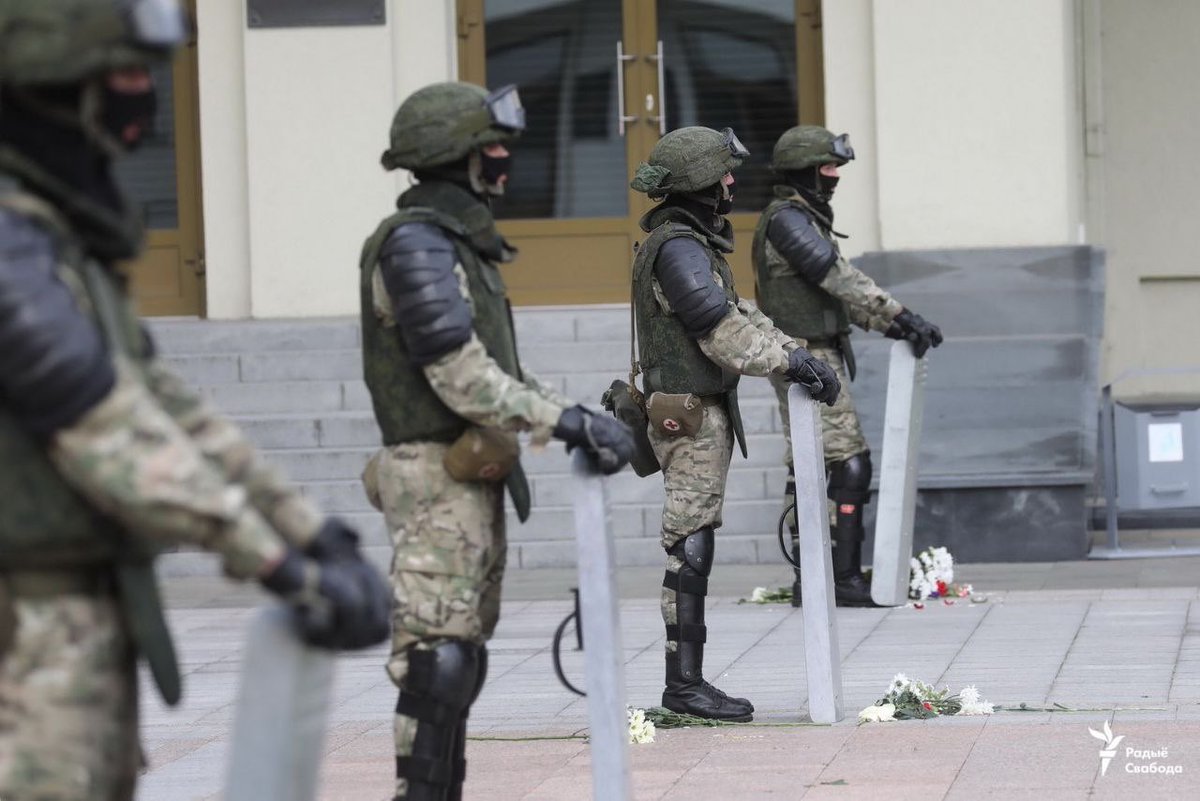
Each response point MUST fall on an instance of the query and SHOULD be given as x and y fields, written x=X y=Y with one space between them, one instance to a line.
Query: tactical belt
x=52 y=583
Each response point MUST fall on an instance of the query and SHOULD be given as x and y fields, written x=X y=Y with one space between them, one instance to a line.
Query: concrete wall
x=292 y=124
x=976 y=121
x=1146 y=170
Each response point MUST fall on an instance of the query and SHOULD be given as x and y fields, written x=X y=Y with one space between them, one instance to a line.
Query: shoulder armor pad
x=797 y=239
x=684 y=271
x=54 y=364
x=417 y=265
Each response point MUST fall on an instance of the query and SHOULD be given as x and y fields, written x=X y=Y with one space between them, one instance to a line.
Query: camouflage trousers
x=694 y=471
x=68 y=701
x=841 y=431
x=448 y=562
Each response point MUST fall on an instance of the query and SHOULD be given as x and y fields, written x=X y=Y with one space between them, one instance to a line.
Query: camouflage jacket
x=744 y=341
x=845 y=290
x=480 y=383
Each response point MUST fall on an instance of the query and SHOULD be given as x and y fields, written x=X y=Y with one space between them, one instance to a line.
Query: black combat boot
x=686 y=690
x=850 y=586
x=849 y=489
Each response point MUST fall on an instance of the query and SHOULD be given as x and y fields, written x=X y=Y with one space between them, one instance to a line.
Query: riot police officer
x=696 y=338
x=105 y=456
x=811 y=291
x=450 y=395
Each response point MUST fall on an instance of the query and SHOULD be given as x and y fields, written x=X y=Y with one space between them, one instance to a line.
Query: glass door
x=601 y=80
x=162 y=179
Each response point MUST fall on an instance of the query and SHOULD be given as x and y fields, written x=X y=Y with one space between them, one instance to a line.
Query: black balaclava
x=816 y=188
x=709 y=205
x=61 y=149
x=493 y=168
x=119 y=110
x=456 y=172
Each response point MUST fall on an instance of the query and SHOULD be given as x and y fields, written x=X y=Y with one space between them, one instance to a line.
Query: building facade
x=980 y=126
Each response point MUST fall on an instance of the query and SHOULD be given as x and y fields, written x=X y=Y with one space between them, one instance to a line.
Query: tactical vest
x=44 y=523
x=671 y=360
x=406 y=407
x=796 y=306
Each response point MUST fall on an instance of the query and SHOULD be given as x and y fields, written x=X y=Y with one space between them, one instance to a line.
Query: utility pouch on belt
x=482 y=454
x=625 y=404
x=675 y=415
x=370 y=481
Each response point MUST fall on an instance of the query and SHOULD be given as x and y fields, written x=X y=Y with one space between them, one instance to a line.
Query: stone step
x=190 y=336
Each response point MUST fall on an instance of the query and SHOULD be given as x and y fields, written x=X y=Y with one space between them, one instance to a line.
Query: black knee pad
x=850 y=481
x=441 y=683
x=482 y=676
x=696 y=550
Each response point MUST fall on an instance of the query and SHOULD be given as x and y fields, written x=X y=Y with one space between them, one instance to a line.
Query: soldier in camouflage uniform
x=105 y=457
x=450 y=395
x=696 y=338
x=810 y=291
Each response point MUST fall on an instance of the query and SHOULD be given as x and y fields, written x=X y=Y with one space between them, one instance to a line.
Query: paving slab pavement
x=1119 y=647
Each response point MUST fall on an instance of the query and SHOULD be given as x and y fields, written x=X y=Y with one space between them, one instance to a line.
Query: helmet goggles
x=841 y=149
x=501 y=111
x=156 y=23
x=736 y=148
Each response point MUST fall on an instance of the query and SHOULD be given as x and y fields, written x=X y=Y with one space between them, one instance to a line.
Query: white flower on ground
x=878 y=713
x=899 y=683
x=759 y=596
x=640 y=730
x=980 y=708
x=971 y=703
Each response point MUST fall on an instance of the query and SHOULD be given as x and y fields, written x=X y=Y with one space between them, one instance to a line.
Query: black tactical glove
x=341 y=601
x=917 y=330
x=608 y=441
x=816 y=376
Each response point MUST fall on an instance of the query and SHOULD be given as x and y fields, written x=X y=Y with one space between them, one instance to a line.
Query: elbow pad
x=794 y=235
x=417 y=265
x=54 y=362
x=684 y=272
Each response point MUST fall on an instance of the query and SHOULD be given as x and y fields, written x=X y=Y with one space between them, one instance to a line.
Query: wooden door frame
x=187 y=238
x=639 y=31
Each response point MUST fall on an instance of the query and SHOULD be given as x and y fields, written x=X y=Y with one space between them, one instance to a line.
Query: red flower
x=941 y=588
x=927 y=705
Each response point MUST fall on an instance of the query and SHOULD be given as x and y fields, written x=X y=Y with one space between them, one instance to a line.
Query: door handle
x=622 y=117
x=661 y=118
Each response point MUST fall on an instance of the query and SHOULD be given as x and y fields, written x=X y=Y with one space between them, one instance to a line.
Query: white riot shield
x=283 y=707
x=897 y=505
x=600 y=620
x=822 y=659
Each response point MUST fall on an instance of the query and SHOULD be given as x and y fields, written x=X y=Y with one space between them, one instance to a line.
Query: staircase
x=295 y=387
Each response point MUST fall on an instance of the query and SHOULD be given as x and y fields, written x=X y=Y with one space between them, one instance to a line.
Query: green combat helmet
x=67 y=41
x=443 y=122
x=687 y=160
x=809 y=146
